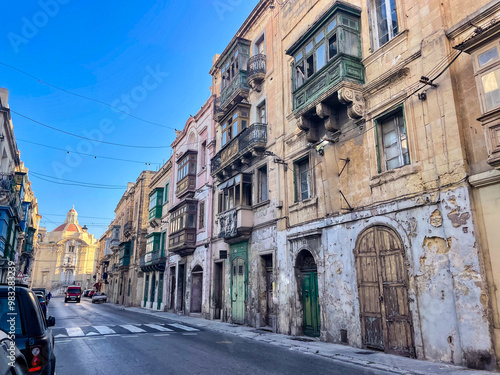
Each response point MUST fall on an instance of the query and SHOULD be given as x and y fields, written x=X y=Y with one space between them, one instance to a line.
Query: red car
x=91 y=293
x=73 y=293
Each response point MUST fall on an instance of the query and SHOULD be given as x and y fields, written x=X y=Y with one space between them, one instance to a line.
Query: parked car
x=86 y=292
x=73 y=293
x=12 y=361
x=99 y=297
x=91 y=293
x=30 y=327
x=43 y=291
x=43 y=302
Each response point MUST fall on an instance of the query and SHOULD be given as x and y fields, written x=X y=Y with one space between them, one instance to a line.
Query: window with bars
x=392 y=141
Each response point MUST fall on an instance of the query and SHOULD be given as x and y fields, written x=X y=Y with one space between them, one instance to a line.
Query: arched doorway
x=196 y=289
x=308 y=284
x=383 y=292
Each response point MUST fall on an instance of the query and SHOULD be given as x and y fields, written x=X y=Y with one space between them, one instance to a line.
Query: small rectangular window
x=487 y=57
x=300 y=74
x=332 y=46
x=310 y=66
x=394 y=141
x=167 y=193
x=262 y=184
x=302 y=175
x=491 y=87
x=385 y=21
x=320 y=56
x=202 y=215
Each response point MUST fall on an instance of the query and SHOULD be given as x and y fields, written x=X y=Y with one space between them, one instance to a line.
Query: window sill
x=382 y=50
x=261 y=204
x=394 y=174
x=297 y=206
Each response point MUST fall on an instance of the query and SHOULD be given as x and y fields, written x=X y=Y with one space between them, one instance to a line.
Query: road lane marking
x=131 y=328
x=104 y=330
x=189 y=334
x=75 y=332
x=159 y=328
x=129 y=336
x=97 y=338
x=183 y=327
x=60 y=335
x=161 y=334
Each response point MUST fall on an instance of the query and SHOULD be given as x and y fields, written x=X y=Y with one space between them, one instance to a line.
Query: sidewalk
x=366 y=358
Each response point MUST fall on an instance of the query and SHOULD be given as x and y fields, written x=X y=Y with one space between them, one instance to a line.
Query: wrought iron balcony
x=251 y=139
x=256 y=71
x=236 y=224
x=154 y=261
x=127 y=228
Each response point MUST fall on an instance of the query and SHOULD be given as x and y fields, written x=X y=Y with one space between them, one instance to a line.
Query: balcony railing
x=127 y=228
x=252 y=138
x=236 y=223
x=154 y=261
x=256 y=71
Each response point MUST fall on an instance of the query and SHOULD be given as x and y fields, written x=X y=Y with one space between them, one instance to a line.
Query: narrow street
x=100 y=339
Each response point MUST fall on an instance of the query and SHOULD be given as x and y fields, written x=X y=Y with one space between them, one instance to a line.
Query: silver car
x=99 y=297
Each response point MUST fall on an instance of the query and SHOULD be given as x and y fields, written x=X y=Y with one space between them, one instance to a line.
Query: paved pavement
x=363 y=359
x=104 y=339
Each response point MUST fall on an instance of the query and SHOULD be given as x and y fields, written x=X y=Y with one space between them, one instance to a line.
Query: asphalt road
x=100 y=339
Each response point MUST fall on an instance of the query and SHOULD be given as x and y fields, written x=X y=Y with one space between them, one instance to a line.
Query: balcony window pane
x=320 y=56
x=332 y=46
x=309 y=47
x=491 y=86
x=394 y=18
x=488 y=56
x=298 y=57
x=235 y=129
x=300 y=74
x=331 y=26
x=351 y=44
x=320 y=36
x=310 y=66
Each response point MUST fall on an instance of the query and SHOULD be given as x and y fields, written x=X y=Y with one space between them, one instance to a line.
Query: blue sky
x=149 y=58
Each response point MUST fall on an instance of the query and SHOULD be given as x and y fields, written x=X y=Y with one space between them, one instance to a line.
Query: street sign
x=19 y=275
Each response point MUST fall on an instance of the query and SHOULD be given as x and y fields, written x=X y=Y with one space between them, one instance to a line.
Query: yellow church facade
x=65 y=256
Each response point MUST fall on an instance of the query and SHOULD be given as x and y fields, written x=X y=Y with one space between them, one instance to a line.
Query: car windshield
x=73 y=290
x=10 y=320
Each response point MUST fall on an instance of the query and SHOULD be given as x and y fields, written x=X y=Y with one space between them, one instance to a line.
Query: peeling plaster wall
x=446 y=289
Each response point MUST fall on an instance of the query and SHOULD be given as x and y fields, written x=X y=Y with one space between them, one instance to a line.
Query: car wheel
x=65 y=300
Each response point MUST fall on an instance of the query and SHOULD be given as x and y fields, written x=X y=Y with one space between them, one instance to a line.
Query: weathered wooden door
x=218 y=289
x=383 y=292
x=153 y=290
x=310 y=298
x=238 y=291
x=196 y=289
x=160 y=291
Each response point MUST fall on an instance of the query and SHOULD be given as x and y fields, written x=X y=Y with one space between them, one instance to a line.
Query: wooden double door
x=386 y=322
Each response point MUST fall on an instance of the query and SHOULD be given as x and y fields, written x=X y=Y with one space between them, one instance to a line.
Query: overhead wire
x=80 y=185
x=91 y=155
x=79 y=182
x=82 y=137
x=84 y=97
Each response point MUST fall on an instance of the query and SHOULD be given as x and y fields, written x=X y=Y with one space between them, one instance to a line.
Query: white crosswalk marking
x=183 y=327
x=75 y=331
x=92 y=334
x=159 y=328
x=131 y=328
x=104 y=330
x=60 y=335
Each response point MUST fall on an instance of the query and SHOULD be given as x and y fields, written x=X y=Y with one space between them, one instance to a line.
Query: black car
x=12 y=361
x=21 y=316
x=43 y=303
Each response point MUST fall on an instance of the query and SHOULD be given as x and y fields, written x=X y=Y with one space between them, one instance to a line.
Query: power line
x=82 y=153
x=84 y=97
x=78 y=182
x=87 y=217
x=82 y=137
x=81 y=185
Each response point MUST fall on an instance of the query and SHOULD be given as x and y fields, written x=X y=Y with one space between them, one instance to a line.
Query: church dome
x=71 y=223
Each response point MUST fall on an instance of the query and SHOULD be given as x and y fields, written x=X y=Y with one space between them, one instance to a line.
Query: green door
x=238 y=291
x=311 y=303
x=160 y=291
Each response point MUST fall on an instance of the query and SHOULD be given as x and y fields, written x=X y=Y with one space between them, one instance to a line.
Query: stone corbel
x=354 y=101
x=311 y=130
x=326 y=113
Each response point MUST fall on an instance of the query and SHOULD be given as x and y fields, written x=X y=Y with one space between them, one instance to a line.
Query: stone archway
x=307 y=285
